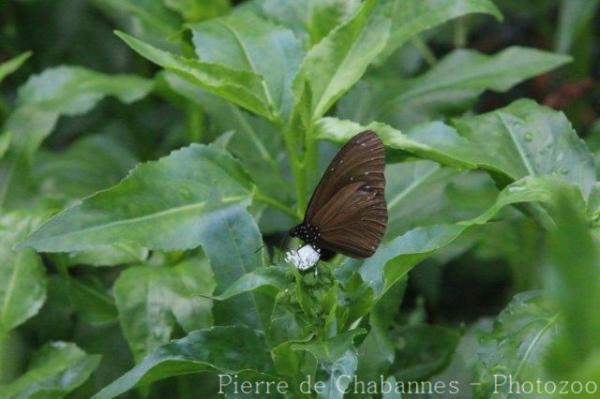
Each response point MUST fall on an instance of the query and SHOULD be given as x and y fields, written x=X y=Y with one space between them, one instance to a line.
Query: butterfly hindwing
x=355 y=221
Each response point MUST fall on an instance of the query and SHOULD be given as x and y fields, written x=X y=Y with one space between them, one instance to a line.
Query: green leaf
x=394 y=259
x=199 y=10
x=5 y=139
x=517 y=344
x=338 y=61
x=330 y=349
x=573 y=285
x=8 y=67
x=525 y=139
x=88 y=165
x=337 y=357
x=522 y=139
x=56 y=318
x=451 y=86
x=240 y=87
x=233 y=244
x=106 y=255
x=459 y=374
x=255 y=142
x=410 y=17
x=391 y=392
x=310 y=19
x=149 y=18
x=152 y=300
x=453 y=195
x=55 y=370
x=436 y=140
x=197 y=183
x=22 y=275
x=65 y=90
x=204 y=350
x=377 y=351
x=41 y=101
x=91 y=301
x=574 y=17
x=245 y=42
x=262 y=277
x=424 y=350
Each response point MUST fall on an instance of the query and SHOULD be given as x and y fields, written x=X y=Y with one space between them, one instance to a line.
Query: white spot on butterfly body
x=304 y=258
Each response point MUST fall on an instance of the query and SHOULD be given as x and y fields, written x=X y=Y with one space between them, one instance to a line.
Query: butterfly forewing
x=360 y=159
x=348 y=206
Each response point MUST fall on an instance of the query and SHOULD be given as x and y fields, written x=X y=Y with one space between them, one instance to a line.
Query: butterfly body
x=347 y=212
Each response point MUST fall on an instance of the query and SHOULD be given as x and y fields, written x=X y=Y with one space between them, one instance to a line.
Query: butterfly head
x=306 y=232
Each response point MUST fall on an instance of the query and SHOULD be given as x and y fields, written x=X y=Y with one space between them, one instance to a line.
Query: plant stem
x=195 y=118
x=425 y=51
x=460 y=32
x=297 y=169
x=308 y=166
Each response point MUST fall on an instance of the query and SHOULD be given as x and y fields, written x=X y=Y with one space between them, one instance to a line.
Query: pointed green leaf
x=436 y=140
x=376 y=352
x=410 y=17
x=517 y=344
x=151 y=300
x=427 y=349
x=55 y=370
x=107 y=255
x=4 y=143
x=339 y=60
x=234 y=244
x=394 y=259
x=219 y=349
x=454 y=195
x=255 y=142
x=41 y=101
x=194 y=10
x=574 y=17
x=271 y=276
x=8 y=67
x=240 y=87
x=337 y=357
x=243 y=41
x=92 y=301
x=522 y=139
x=22 y=275
x=65 y=90
x=90 y=164
x=166 y=204
x=450 y=87
x=311 y=19
x=330 y=349
x=572 y=278
x=150 y=19
x=525 y=139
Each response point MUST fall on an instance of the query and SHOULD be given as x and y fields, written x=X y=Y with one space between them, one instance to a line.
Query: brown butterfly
x=347 y=212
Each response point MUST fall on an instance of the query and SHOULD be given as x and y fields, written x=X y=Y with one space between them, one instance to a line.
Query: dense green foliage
x=148 y=179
